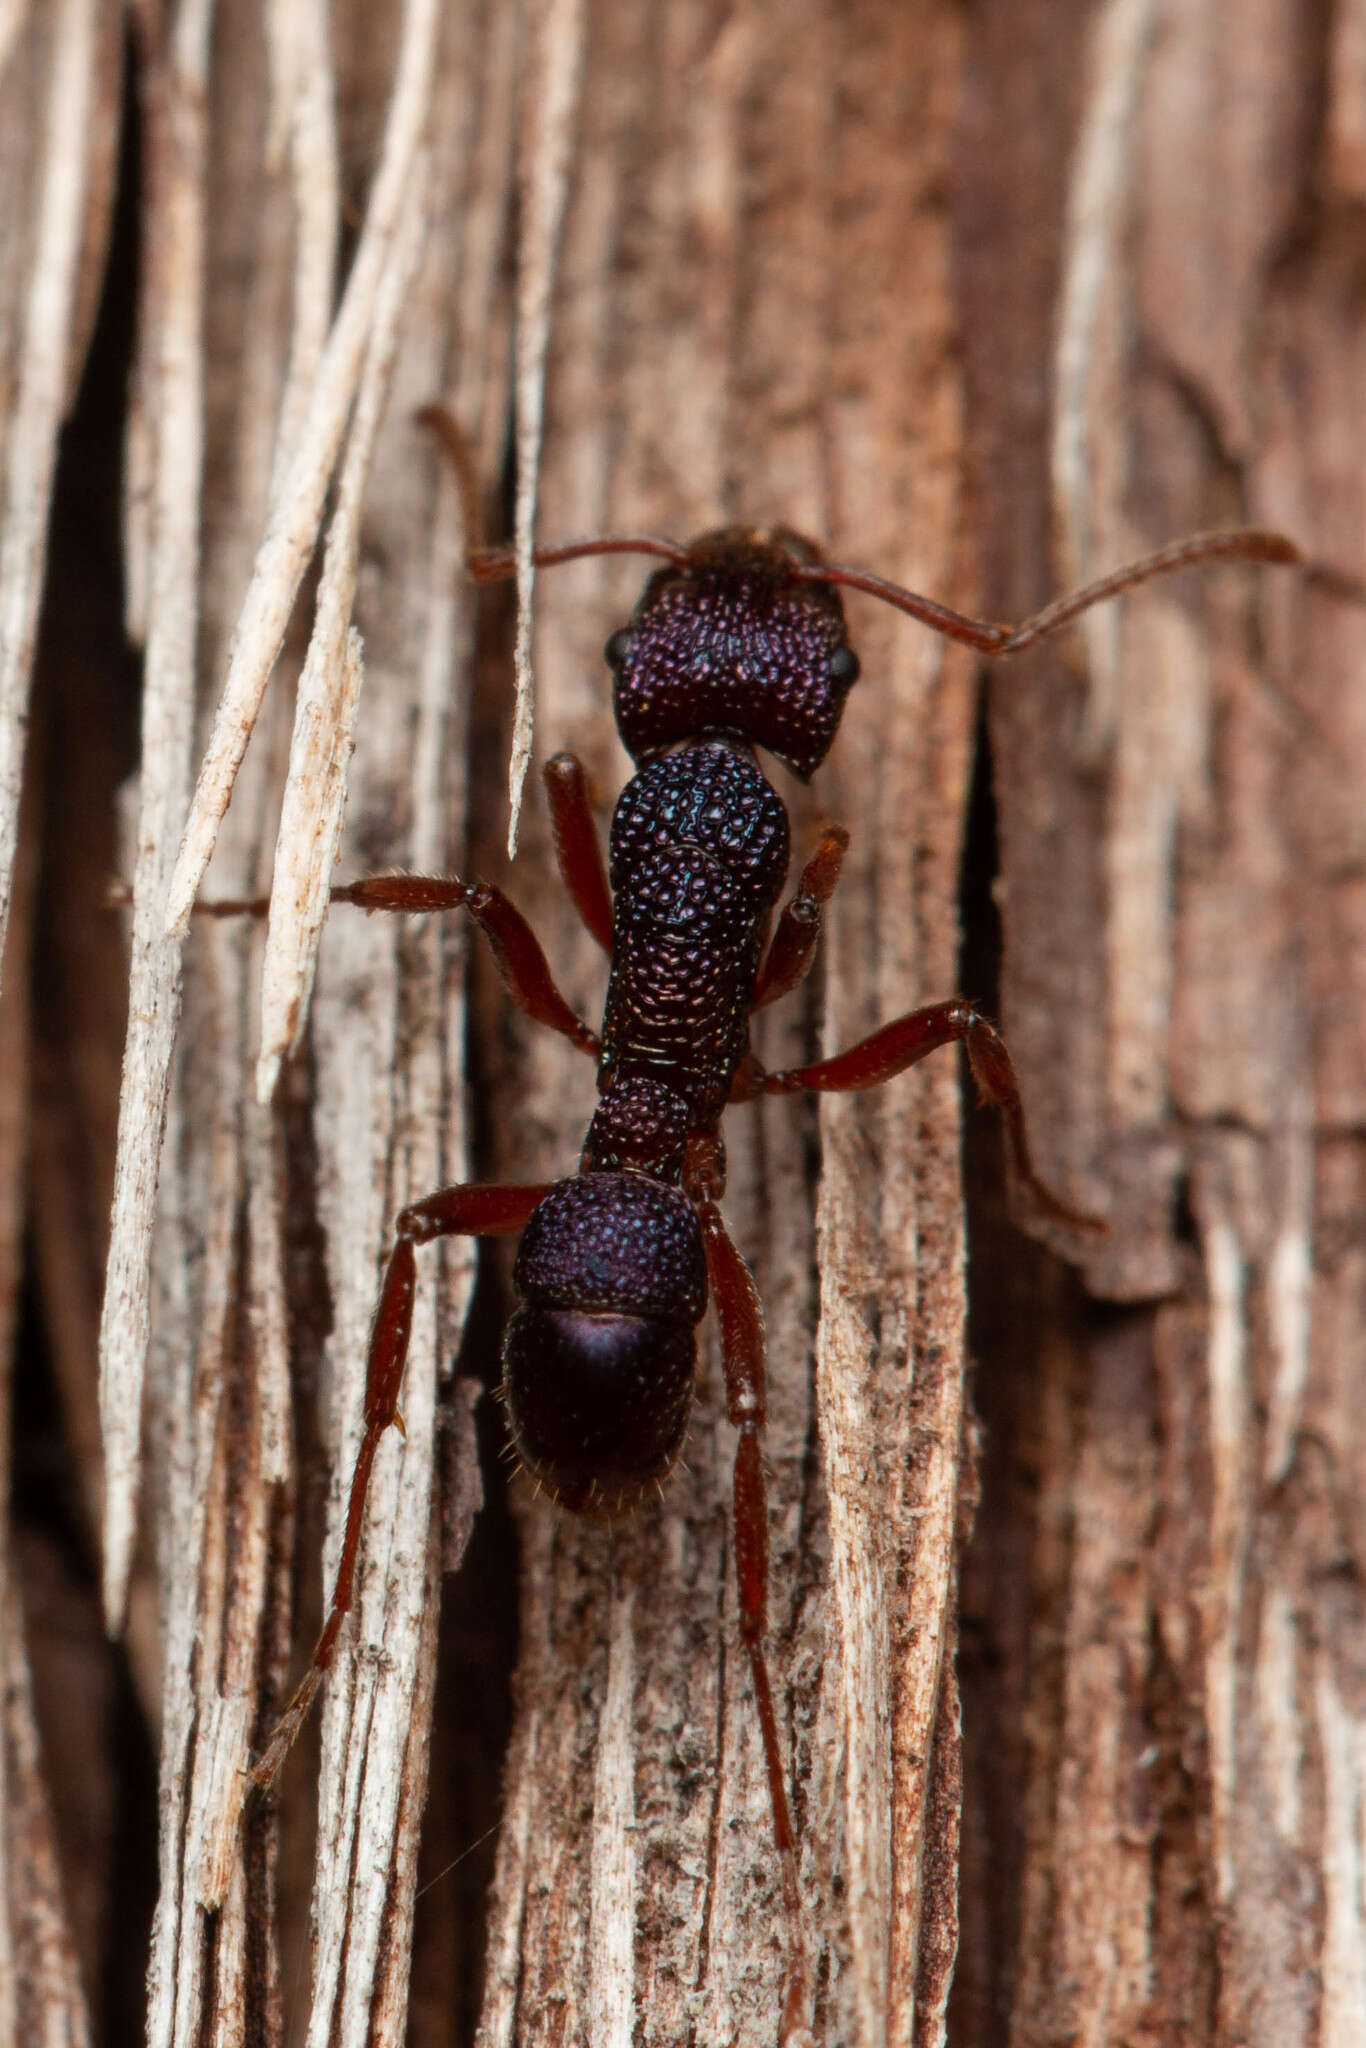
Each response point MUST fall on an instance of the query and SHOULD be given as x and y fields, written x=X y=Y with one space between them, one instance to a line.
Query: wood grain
x=987 y=300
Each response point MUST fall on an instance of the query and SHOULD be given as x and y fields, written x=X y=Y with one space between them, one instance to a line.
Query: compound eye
x=618 y=649
x=844 y=667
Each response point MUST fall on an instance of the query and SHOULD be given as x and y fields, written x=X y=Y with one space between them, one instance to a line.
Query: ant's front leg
x=799 y=928
x=578 y=849
x=516 y=950
x=901 y=1044
x=472 y=1210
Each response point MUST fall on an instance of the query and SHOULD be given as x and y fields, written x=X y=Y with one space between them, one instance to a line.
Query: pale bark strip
x=612 y=1989
x=329 y=691
x=172 y=348
x=1103 y=170
x=292 y=532
x=310 y=824
x=303 y=107
x=43 y=390
x=1229 y=1415
x=1343 y=1735
x=1289 y=1289
x=555 y=66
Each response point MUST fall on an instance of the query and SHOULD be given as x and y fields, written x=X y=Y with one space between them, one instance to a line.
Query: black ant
x=738 y=642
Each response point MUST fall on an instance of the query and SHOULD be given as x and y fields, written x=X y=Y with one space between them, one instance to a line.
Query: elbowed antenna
x=499 y=565
x=990 y=637
x=1233 y=544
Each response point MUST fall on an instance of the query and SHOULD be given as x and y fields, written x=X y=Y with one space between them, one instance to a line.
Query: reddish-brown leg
x=736 y=1302
x=899 y=1045
x=473 y=1210
x=577 y=846
x=799 y=928
x=516 y=949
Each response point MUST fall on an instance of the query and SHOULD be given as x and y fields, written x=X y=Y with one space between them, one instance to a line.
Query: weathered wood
x=1168 y=1762
x=988 y=300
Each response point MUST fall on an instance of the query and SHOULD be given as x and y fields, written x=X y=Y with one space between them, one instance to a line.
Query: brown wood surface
x=988 y=299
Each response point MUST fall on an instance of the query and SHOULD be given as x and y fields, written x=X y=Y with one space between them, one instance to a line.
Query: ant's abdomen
x=599 y=1356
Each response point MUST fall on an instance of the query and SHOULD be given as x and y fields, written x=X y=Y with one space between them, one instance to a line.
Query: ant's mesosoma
x=738 y=642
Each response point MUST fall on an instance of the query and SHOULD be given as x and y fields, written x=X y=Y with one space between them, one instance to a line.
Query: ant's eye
x=844 y=667
x=618 y=648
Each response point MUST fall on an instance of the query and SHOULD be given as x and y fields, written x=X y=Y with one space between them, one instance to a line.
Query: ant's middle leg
x=901 y=1044
x=516 y=950
x=470 y=1210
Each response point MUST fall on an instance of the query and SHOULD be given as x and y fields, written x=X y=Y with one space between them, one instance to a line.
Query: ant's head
x=599 y=1356
x=735 y=637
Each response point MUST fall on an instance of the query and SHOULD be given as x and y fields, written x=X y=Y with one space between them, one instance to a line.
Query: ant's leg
x=577 y=846
x=799 y=928
x=516 y=949
x=742 y=1352
x=472 y=1210
x=899 y=1045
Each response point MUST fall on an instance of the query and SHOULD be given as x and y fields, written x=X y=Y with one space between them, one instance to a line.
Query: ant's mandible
x=738 y=642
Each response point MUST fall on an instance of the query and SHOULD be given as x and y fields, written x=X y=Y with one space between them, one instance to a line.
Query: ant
x=738 y=642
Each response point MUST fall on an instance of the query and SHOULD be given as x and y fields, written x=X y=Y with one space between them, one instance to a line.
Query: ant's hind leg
x=901 y=1044
x=736 y=1302
x=577 y=846
x=798 y=932
x=471 y=1210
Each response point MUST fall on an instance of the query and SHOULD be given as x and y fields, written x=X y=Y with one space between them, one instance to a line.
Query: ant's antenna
x=1233 y=544
x=1236 y=544
x=499 y=565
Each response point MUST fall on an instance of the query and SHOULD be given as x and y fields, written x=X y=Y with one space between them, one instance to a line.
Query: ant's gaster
x=738 y=642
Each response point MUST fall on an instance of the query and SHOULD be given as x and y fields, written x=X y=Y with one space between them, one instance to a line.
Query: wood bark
x=1066 y=1622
